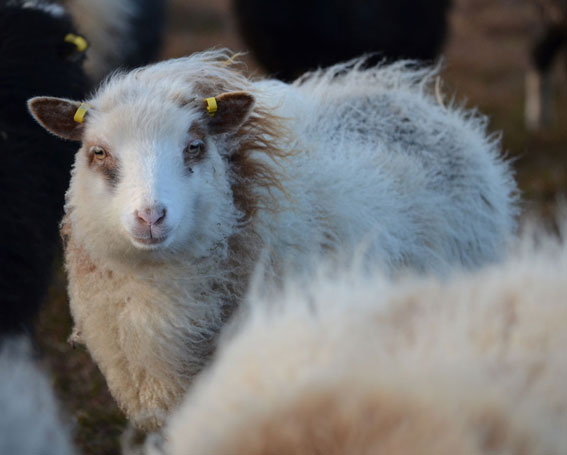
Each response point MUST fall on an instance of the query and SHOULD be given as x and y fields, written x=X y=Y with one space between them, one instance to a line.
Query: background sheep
x=169 y=207
x=30 y=423
x=121 y=33
x=34 y=58
x=289 y=37
x=474 y=365
x=549 y=45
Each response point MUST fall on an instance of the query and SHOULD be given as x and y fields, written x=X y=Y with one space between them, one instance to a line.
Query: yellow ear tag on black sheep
x=79 y=42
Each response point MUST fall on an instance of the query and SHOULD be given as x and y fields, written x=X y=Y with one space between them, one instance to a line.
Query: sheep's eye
x=98 y=152
x=195 y=147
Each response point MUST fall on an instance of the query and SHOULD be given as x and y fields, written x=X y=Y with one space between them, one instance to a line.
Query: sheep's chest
x=139 y=335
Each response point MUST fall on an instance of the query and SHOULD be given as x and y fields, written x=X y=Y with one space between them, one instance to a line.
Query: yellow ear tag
x=81 y=112
x=211 y=106
x=80 y=42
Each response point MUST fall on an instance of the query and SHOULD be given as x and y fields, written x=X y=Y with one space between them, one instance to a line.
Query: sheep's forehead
x=138 y=120
x=154 y=102
x=145 y=87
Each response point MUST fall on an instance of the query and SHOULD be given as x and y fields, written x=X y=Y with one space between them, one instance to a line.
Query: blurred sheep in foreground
x=29 y=422
x=289 y=37
x=472 y=365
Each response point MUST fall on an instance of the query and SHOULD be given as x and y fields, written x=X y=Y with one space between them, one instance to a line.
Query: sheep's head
x=152 y=174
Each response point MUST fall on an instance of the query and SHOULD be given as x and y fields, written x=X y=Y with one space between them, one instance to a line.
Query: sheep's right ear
x=58 y=116
x=228 y=111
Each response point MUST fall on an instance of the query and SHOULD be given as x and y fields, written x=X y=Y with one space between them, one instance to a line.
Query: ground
x=484 y=65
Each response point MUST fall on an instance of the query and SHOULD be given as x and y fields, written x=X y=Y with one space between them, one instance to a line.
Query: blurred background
x=486 y=59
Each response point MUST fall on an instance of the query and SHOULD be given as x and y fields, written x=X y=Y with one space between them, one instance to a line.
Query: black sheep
x=290 y=37
x=35 y=59
x=38 y=57
x=147 y=28
x=122 y=33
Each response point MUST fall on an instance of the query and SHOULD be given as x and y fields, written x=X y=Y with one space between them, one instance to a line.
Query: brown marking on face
x=256 y=136
x=108 y=167
x=214 y=86
x=182 y=100
x=196 y=148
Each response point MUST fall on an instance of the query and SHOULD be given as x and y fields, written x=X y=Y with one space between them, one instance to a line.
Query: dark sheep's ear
x=228 y=111
x=59 y=116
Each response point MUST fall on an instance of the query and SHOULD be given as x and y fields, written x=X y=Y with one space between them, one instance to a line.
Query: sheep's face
x=151 y=176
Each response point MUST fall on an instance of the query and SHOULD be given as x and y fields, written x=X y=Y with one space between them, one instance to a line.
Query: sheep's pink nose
x=151 y=216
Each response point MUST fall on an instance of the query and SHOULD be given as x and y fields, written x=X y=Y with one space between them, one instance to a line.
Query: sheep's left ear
x=59 y=116
x=228 y=111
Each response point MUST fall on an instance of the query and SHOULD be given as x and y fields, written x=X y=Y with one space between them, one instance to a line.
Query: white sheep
x=172 y=204
x=474 y=365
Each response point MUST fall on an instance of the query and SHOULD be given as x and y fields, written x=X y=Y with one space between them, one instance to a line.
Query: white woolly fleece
x=345 y=160
x=366 y=365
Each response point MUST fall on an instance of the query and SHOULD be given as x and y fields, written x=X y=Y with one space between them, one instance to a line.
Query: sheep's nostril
x=161 y=217
x=151 y=216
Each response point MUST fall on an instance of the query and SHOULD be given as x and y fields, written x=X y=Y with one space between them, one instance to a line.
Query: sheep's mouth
x=149 y=242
